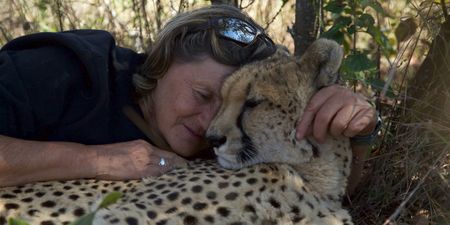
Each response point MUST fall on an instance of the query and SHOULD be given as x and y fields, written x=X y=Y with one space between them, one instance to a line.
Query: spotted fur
x=264 y=176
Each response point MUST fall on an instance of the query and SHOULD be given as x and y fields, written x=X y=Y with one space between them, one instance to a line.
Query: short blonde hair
x=181 y=39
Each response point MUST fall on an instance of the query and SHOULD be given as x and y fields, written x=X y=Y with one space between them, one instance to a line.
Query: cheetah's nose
x=216 y=140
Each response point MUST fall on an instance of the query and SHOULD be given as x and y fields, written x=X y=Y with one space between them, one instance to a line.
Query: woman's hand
x=133 y=160
x=337 y=111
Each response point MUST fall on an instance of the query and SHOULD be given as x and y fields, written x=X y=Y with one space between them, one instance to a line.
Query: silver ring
x=162 y=162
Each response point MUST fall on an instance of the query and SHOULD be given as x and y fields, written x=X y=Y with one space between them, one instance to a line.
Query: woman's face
x=184 y=102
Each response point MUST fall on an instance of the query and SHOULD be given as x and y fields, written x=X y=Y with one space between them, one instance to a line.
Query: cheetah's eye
x=252 y=103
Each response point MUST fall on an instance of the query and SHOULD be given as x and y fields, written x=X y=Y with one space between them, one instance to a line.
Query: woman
x=67 y=100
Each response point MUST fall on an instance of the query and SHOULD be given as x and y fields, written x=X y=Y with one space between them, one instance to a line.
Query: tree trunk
x=430 y=87
x=305 y=27
x=428 y=120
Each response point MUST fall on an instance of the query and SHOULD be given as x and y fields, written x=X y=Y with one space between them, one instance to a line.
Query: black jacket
x=67 y=86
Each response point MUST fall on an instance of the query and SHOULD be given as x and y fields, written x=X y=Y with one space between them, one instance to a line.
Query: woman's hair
x=184 y=38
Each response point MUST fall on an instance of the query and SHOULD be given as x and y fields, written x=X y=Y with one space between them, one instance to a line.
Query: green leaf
x=351 y=29
x=343 y=21
x=109 y=199
x=332 y=31
x=13 y=221
x=42 y=5
x=405 y=29
x=374 y=5
x=85 y=220
x=351 y=76
x=365 y=20
x=378 y=85
x=380 y=39
x=348 y=10
x=335 y=7
x=334 y=34
x=357 y=62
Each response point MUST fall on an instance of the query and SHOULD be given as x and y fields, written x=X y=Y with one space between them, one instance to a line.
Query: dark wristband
x=369 y=138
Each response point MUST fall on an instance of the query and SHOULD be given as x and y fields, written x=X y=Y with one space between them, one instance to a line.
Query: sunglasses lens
x=237 y=30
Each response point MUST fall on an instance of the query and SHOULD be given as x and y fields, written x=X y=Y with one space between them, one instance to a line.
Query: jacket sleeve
x=35 y=85
x=41 y=74
x=15 y=116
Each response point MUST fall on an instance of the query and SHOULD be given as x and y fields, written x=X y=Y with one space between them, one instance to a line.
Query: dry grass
x=407 y=177
x=407 y=180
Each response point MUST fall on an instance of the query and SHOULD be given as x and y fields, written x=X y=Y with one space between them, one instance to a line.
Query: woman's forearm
x=360 y=152
x=23 y=161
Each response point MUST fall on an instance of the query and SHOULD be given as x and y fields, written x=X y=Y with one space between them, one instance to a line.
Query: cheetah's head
x=262 y=102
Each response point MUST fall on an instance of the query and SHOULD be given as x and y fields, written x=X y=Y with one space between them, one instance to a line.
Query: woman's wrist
x=97 y=156
x=367 y=138
x=360 y=152
x=71 y=160
x=33 y=161
x=89 y=161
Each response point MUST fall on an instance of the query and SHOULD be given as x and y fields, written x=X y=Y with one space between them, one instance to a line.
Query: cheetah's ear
x=323 y=59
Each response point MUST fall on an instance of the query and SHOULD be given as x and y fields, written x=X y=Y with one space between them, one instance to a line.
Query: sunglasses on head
x=238 y=30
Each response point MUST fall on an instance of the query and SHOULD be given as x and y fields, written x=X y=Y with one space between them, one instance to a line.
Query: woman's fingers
x=337 y=111
x=163 y=161
x=341 y=120
x=133 y=160
x=314 y=105
x=362 y=123
x=324 y=119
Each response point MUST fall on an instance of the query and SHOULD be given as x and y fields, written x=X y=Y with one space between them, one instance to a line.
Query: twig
x=378 y=75
x=159 y=11
x=172 y=7
x=404 y=48
x=391 y=77
x=59 y=14
x=20 y=8
x=71 y=17
x=444 y=9
x=248 y=5
x=137 y=9
x=273 y=18
x=145 y=16
x=181 y=6
x=391 y=73
x=355 y=36
x=5 y=35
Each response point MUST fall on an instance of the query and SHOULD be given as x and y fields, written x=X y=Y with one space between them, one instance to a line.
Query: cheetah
x=262 y=174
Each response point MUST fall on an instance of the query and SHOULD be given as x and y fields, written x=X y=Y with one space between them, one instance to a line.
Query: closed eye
x=203 y=95
x=252 y=103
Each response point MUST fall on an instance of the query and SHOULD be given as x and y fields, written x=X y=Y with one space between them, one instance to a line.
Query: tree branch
x=444 y=9
x=305 y=28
